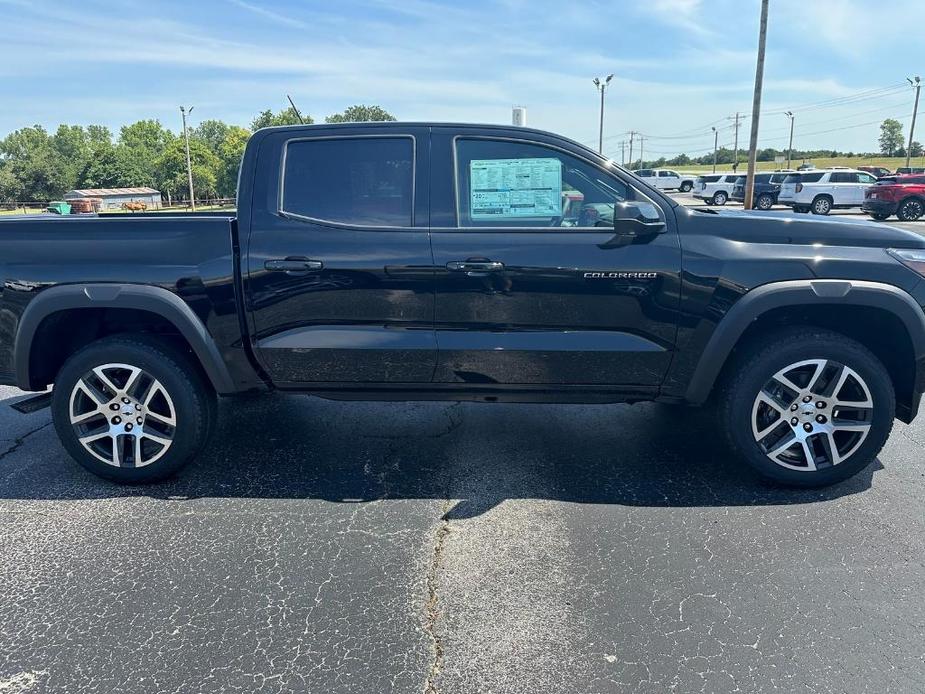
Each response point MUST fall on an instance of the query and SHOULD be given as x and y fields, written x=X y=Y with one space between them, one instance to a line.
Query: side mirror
x=634 y=222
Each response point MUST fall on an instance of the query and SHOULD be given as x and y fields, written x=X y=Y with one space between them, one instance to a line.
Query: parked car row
x=820 y=191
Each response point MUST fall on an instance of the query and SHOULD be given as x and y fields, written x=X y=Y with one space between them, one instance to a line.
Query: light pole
x=918 y=87
x=715 y=146
x=789 y=115
x=601 y=87
x=189 y=165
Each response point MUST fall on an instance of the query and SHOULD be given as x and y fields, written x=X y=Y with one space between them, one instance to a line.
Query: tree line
x=38 y=165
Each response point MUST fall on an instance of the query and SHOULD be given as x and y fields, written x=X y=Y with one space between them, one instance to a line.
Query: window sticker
x=515 y=188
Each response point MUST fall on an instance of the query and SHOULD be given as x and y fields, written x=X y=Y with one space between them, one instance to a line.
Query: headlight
x=912 y=258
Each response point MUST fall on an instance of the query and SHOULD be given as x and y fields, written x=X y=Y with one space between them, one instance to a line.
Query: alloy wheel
x=911 y=210
x=122 y=415
x=812 y=414
x=822 y=206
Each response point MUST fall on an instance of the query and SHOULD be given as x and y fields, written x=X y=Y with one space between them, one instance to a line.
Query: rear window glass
x=810 y=177
x=366 y=181
x=711 y=179
x=778 y=178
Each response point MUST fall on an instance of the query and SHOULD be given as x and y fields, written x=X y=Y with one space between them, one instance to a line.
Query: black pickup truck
x=416 y=261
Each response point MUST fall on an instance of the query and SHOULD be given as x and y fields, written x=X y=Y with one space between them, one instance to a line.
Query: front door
x=533 y=286
x=339 y=275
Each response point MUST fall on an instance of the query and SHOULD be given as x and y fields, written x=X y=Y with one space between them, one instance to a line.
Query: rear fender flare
x=156 y=300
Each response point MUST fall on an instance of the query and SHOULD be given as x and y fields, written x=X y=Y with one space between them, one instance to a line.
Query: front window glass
x=519 y=184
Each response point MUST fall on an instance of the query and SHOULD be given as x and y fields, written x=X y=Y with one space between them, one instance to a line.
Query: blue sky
x=680 y=65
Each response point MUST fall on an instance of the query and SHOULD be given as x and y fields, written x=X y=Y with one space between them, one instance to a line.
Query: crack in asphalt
x=431 y=610
x=19 y=441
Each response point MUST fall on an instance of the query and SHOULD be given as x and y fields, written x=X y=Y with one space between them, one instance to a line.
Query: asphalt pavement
x=433 y=547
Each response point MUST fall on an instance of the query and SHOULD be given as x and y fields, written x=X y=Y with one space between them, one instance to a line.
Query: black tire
x=764 y=202
x=191 y=397
x=686 y=187
x=755 y=366
x=720 y=198
x=879 y=216
x=910 y=210
x=821 y=205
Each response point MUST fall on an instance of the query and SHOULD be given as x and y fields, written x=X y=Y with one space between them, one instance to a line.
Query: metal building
x=114 y=198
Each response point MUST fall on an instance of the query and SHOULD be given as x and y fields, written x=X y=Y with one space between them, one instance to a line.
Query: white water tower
x=519 y=116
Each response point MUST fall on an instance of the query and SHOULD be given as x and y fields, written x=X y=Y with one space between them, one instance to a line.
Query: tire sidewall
x=740 y=402
x=189 y=399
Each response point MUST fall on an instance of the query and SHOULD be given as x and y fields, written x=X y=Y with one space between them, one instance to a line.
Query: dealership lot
x=465 y=547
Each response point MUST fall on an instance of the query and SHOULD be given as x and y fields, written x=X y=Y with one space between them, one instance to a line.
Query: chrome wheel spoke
x=91 y=393
x=100 y=373
x=808 y=454
x=168 y=420
x=156 y=438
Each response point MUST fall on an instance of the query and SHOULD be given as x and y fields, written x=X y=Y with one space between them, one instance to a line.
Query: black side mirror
x=634 y=222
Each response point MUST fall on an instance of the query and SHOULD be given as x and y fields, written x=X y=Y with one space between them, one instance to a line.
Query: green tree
x=32 y=161
x=891 y=136
x=287 y=116
x=230 y=153
x=361 y=114
x=916 y=149
x=171 y=176
x=212 y=132
x=110 y=167
x=9 y=185
x=144 y=142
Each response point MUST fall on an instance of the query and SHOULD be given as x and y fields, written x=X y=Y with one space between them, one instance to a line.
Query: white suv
x=715 y=189
x=823 y=191
x=664 y=179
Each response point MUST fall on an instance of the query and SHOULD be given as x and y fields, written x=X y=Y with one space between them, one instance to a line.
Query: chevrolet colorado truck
x=416 y=261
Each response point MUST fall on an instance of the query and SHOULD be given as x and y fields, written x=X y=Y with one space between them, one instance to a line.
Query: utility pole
x=601 y=87
x=189 y=166
x=715 y=146
x=789 y=115
x=641 y=140
x=735 y=165
x=918 y=87
x=632 y=135
x=756 y=108
x=622 y=152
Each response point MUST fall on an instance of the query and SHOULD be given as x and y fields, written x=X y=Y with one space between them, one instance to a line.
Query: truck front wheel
x=686 y=187
x=132 y=409
x=807 y=407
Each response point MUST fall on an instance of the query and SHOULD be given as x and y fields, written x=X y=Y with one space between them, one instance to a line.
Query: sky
x=680 y=66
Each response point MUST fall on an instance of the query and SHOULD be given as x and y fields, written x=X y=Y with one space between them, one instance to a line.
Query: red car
x=903 y=196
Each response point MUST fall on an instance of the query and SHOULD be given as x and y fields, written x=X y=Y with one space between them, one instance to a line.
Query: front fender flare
x=156 y=300
x=799 y=293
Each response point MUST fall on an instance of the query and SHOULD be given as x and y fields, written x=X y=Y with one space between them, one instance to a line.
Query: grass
x=891 y=163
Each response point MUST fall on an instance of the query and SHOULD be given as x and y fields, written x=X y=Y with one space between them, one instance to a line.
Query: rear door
x=339 y=275
x=532 y=286
x=865 y=181
x=668 y=180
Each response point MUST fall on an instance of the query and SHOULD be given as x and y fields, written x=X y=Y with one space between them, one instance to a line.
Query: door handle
x=475 y=266
x=293 y=265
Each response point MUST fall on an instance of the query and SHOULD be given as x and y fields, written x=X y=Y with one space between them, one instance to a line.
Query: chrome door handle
x=475 y=266
x=293 y=265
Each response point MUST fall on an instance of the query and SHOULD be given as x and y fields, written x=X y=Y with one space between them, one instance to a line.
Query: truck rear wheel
x=686 y=187
x=720 y=197
x=132 y=409
x=807 y=407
